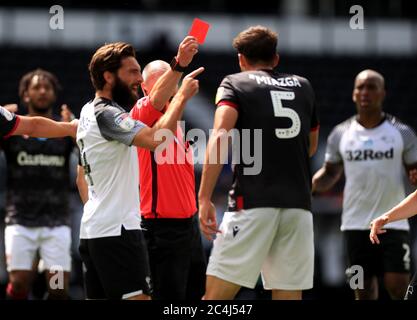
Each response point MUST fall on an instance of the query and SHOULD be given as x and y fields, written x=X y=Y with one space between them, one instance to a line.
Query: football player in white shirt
x=372 y=148
x=112 y=246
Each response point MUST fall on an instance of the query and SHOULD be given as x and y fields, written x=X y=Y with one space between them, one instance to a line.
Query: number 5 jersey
x=271 y=165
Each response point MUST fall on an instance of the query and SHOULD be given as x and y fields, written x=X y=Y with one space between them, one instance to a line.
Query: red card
x=199 y=30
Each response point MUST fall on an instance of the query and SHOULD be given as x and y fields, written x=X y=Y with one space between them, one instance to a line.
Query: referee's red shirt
x=166 y=190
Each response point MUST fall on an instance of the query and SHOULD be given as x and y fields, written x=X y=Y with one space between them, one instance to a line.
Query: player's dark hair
x=108 y=58
x=27 y=79
x=257 y=44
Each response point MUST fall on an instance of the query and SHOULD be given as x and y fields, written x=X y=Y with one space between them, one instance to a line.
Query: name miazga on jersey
x=280 y=82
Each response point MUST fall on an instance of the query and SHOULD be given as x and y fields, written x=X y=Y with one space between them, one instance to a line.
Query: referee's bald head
x=152 y=72
x=154 y=68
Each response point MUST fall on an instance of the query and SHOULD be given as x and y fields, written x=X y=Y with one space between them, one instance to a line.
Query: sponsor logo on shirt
x=125 y=122
x=369 y=154
x=25 y=159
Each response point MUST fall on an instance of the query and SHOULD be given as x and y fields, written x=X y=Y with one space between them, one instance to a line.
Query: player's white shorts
x=278 y=243
x=22 y=243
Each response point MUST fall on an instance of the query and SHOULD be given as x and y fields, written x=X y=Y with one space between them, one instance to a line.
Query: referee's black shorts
x=391 y=255
x=116 y=267
x=177 y=258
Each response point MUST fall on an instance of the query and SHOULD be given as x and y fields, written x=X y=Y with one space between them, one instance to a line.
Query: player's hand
x=186 y=51
x=376 y=228
x=412 y=176
x=208 y=221
x=66 y=114
x=190 y=85
x=13 y=107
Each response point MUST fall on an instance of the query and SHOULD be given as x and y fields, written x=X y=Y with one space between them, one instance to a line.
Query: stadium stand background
x=316 y=42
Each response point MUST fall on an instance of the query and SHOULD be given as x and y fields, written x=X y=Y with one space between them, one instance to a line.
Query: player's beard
x=123 y=95
x=40 y=110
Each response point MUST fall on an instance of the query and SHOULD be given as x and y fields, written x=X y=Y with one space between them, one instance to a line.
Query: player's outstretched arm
x=165 y=86
x=145 y=138
x=405 y=209
x=326 y=177
x=45 y=128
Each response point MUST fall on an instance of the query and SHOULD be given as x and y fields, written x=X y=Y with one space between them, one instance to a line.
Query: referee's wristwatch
x=175 y=65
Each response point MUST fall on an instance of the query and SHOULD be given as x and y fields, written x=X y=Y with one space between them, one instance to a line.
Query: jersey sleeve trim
x=229 y=104
x=14 y=128
x=314 y=129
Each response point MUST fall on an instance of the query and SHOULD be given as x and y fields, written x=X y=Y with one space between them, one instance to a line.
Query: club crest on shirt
x=388 y=139
x=368 y=142
x=125 y=122
x=6 y=114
